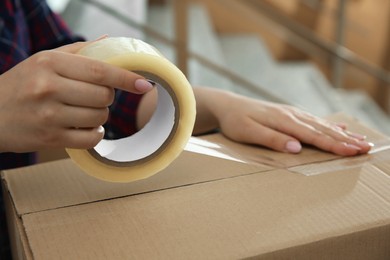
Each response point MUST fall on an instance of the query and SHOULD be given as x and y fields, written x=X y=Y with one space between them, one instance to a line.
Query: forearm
x=209 y=106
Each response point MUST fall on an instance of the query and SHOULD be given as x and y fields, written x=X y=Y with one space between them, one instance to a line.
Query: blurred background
x=324 y=56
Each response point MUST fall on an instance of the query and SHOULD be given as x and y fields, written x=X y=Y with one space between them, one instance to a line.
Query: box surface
x=218 y=200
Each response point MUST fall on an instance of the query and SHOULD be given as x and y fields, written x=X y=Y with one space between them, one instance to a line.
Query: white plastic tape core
x=149 y=140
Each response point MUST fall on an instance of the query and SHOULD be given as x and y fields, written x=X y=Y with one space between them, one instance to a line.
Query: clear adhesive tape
x=163 y=138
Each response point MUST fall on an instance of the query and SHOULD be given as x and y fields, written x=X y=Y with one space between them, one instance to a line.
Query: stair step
x=250 y=57
x=364 y=108
x=304 y=87
x=236 y=45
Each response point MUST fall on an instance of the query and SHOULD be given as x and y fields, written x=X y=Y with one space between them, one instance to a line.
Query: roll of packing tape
x=163 y=138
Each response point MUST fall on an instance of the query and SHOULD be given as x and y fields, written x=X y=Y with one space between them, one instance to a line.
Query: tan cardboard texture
x=268 y=206
x=61 y=184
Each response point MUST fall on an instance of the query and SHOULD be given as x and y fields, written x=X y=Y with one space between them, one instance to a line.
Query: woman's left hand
x=279 y=127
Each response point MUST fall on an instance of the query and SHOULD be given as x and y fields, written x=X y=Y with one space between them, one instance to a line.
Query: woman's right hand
x=57 y=98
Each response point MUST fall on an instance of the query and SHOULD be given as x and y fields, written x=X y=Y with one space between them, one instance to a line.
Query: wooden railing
x=255 y=11
x=299 y=36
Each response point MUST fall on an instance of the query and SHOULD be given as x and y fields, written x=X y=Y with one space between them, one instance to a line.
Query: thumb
x=73 y=47
x=293 y=146
x=77 y=46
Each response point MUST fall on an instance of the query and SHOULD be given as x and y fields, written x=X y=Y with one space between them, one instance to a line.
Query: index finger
x=93 y=71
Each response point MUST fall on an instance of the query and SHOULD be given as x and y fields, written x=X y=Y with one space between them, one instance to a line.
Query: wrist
x=211 y=104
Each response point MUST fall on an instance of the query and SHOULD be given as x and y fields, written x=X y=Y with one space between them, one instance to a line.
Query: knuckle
x=103 y=116
x=245 y=129
x=44 y=59
x=123 y=79
x=48 y=138
x=286 y=115
x=246 y=126
x=47 y=115
x=272 y=141
x=92 y=140
x=283 y=112
x=42 y=88
x=107 y=96
x=317 y=137
x=277 y=143
x=97 y=71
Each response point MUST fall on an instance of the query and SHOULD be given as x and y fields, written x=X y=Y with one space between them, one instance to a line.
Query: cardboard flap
x=60 y=184
x=379 y=159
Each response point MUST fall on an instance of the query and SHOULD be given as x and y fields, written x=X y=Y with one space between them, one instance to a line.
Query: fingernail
x=143 y=85
x=342 y=125
x=293 y=147
x=100 y=129
x=364 y=143
x=357 y=136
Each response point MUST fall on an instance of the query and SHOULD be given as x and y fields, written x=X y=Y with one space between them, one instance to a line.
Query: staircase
x=298 y=83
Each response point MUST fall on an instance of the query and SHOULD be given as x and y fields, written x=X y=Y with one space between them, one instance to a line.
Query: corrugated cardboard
x=236 y=201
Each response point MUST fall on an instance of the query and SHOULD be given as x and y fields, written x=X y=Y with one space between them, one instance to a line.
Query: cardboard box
x=218 y=200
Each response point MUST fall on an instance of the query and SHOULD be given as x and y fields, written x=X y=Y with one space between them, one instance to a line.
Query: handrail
x=181 y=25
x=338 y=64
x=248 y=8
x=300 y=33
x=204 y=61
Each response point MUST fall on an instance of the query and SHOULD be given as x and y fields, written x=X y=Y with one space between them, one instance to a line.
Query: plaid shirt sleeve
x=46 y=30
x=27 y=27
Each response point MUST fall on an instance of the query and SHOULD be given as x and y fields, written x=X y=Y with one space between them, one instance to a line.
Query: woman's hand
x=279 y=127
x=59 y=99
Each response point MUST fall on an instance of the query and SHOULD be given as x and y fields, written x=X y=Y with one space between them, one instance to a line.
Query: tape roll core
x=165 y=135
x=154 y=137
